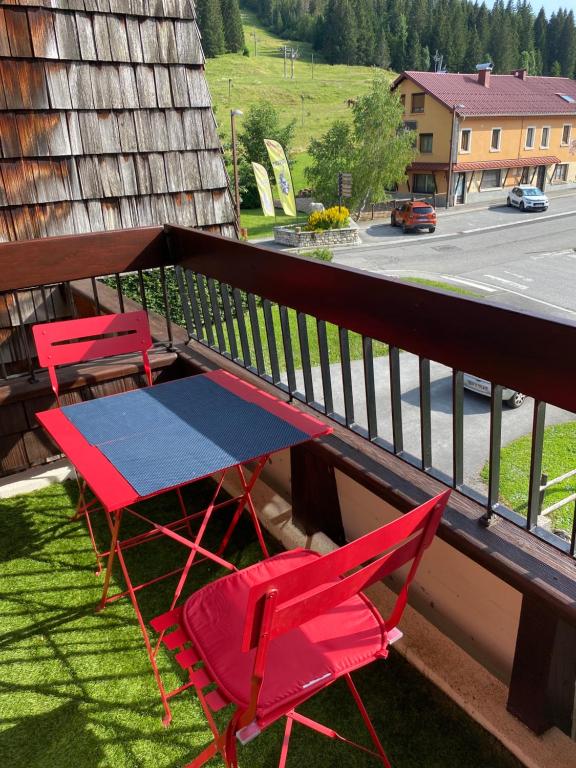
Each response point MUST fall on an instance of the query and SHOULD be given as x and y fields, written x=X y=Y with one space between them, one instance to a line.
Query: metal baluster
x=170 y=346
x=44 y=296
x=457 y=428
x=27 y=352
x=288 y=352
x=95 y=293
x=494 y=452
x=143 y=300
x=225 y=292
x=305 y=356
x=70 y=299
x=325 y=367
x=395 y=399
x=191 y=283
x=256 y=337
x=573 y=537
x=538 y=424
x=369 y=387
x=271 y=340
x=222 y=348
x=200 y=282
x=184 y=302
x=241 y=322
x=346 y=376
x=119 y=291
x=425 y=414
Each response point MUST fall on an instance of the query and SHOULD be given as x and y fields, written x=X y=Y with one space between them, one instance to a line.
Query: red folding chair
x=78 y=341
x=269 y=637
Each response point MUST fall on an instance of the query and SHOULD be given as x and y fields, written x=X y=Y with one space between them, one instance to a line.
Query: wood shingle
x=106 y=119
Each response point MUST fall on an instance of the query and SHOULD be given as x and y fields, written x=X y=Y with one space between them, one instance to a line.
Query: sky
x=551 y=5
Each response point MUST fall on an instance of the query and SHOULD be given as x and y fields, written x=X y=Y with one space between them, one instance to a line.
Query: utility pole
x=302 y=97
x=229 y=90
x=312 y=66
x=255 y=46
x=285 y=55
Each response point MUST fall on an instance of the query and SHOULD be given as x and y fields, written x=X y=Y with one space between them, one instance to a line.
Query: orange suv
x=415 y=214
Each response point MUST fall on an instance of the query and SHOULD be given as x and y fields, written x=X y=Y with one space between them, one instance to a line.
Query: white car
x=511 y=397
x=528 y=198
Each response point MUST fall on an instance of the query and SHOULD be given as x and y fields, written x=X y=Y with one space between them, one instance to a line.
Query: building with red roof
x=480 y=134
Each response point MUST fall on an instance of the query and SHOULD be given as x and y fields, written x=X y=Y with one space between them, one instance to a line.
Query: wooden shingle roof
x=105 y=119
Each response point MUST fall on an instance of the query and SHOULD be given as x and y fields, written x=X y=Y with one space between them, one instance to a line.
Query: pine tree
x=339 y=33
x=209 y=14
x=567 y=47
x=541 y=38
x=232 y=21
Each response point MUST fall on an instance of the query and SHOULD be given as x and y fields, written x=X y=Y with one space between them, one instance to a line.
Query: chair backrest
x=89 y=338
x=287 y=601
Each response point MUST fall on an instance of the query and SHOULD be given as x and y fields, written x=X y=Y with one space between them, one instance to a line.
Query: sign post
x=344 y=187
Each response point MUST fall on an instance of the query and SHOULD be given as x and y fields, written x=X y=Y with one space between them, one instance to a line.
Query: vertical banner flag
x=282 y=174
x=264 y=190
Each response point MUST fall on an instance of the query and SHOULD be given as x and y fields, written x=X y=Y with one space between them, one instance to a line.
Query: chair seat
x=326 y=647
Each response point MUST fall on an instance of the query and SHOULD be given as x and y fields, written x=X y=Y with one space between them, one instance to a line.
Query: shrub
x=331 y=218
x=246 y=51
x=322 y=254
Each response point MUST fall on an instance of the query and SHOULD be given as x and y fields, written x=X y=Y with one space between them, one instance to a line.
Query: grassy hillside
x=262 y=76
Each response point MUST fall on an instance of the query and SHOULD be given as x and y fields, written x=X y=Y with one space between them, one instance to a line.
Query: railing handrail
x=501 y=345
x=30 y=263
x=465 y=334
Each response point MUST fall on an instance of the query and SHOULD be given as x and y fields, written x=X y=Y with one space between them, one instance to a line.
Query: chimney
x=521 y=74
x=484 y=78
x=484 y=74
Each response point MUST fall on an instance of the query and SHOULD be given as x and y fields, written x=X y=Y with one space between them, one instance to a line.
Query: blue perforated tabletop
x=177 y=432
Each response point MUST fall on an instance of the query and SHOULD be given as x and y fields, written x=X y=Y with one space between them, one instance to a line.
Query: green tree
x=339 y=33
x=260 y=122
x=331 y=154
x=211 y=25
x=375 y=149
x=233 y=29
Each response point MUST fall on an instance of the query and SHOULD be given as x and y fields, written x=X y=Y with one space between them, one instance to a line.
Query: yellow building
x=481 y=134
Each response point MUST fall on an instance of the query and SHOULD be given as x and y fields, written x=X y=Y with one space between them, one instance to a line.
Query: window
x=426 y=142
x=566 y=130
x=491 y=179
x=465 y=139
x=561 y=172
x=410 y=125
x=417 y=102
x=403 y=101
x=545 y=140
x=566 y=97
x=529 y=138
x=495 y=141
x=424 y=183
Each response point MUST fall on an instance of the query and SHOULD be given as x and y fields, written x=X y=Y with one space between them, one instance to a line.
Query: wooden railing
x=265 y=311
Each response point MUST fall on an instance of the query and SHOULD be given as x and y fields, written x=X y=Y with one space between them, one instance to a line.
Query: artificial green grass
x=558 y=457
x=76 y=688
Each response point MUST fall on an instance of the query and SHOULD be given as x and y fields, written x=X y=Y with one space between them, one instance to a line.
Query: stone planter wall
x=290 y=236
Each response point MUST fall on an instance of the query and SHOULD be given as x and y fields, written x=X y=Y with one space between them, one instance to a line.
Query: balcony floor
x=76 y=687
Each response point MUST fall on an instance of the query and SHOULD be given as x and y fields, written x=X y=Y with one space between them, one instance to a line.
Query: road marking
x=515 y=274
x=399 y=240
x=508 y=282
x=570 y=252
x=471 y=283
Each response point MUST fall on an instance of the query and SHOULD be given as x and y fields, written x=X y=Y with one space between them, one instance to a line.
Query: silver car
x=527 y=198
x=511 y=397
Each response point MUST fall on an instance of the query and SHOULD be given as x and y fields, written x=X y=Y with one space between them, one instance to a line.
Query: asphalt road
x=523 y=260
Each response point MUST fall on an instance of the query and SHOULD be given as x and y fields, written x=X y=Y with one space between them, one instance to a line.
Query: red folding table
x=138 y=444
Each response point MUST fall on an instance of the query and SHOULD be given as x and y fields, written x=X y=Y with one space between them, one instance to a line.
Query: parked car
x=527 y=198
x=413 y=214
x=511 y=397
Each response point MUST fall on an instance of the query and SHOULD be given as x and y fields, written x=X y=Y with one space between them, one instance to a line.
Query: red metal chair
x=269 y=637
x=77 y=341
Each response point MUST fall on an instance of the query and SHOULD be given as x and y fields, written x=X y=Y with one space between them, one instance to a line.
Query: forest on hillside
x=406 y=34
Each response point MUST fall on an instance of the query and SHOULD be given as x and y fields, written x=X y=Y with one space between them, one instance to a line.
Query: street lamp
x=234 y=113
